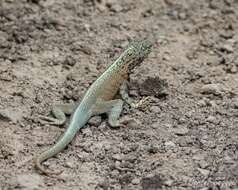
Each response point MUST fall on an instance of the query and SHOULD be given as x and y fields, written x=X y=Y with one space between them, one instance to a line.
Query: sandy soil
x=186 y=137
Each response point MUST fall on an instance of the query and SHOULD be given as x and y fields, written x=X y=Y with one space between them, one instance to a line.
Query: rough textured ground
x=187 y=135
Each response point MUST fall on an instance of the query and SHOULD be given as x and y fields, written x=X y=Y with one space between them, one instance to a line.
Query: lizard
x=98 y=99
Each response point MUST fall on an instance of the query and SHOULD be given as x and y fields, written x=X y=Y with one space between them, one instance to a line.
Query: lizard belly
x=112 y=87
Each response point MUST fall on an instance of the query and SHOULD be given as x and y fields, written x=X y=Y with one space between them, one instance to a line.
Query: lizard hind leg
x=59 y=111
x=113 y=108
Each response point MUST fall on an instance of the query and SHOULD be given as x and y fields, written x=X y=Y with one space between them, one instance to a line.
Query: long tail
x=76 y=123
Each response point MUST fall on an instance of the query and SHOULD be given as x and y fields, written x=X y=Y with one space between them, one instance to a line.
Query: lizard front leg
x=113 y=108
x=59 y=111
x=125 y=96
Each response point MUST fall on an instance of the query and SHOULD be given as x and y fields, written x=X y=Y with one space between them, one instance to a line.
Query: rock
x=211 y=89
x=202 y=103
x=235 y=103
x=30 y=181
x=84 y=156
x=87 y=132
x=114 y=7
x=12 y=114
x=154 y=86
x=104 y=184
x=208 y=143
x=211 y=119
x=4 y=116
x=117 y=164
x=155 y=109
x=212 y=103
x=107 y=146
x=152 y=182
x=180 y=130
x=70 y=61
x=204 y=172
x=182 y=16
x=117 y=157
x=130 y=122
x=203 y=164
x=166 y=57
x=153 y=149
x=227 y=48
x=198 y=157
x=234 y=69
x=228 y=160
x=169 y=182
x=205 y=188
x=155 y=125
x=115 y=173
x=135 y=181
x=147 y=13
x=169 y=144
x=69 y=164
x=95 y=121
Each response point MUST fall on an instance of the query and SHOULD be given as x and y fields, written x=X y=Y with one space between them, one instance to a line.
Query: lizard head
x=137 y=52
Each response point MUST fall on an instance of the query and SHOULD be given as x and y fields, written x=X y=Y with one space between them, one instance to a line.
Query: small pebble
x=169 y=182
x=234 y=69
x=117 y=157
x=205 y=188
x=104 y=184
x=198 y=157
x=135 y=181
x=107 y=146
x=153 y=149
x=155 y=125
x=182 y=16
x=131 y=123
x=117 y=164
x=115 y=7
x=203 y=164
x=87 y=132
x=202 y=103
x=95 y=121
x=204 y=172
x=169 y=144
x=180 y=130
x=84 y=156
x=69 y=164
x=211 y=119
x=235 y=103
x=155 y=109
x=211 y=89
x=115 y=173
x=227 y=47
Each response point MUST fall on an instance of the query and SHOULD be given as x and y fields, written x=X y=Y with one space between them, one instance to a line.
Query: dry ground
x=187 y=135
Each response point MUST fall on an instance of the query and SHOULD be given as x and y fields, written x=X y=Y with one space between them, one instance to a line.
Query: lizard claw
x=141 y=103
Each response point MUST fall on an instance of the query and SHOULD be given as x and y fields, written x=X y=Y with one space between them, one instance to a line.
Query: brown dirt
x=187 y=135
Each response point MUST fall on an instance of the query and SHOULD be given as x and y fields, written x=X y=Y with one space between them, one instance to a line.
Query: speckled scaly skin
x=98 y=99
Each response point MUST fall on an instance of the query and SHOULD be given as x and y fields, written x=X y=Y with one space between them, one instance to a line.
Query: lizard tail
x=55 y=149
x=38 y=160
x=75 y=124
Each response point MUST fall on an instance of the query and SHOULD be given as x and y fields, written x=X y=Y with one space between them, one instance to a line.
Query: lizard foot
x=50 y=120
x=141 y=103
